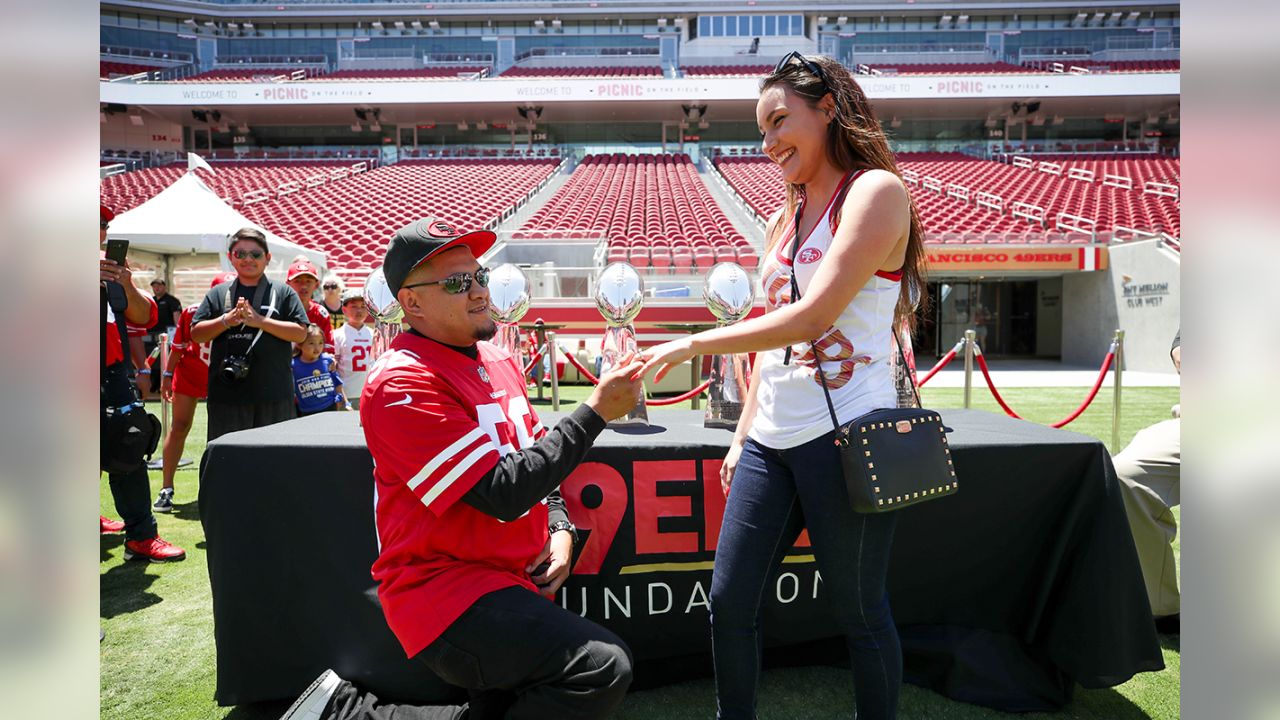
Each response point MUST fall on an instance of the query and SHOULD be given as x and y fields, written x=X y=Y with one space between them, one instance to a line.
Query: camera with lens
x=234 y=369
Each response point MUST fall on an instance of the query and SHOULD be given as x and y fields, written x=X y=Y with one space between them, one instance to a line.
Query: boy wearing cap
x=251 y=324
x=303 y=278
x=353 y=342
x=474 y=537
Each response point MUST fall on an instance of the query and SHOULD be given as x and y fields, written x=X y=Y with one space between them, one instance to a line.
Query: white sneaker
x=311 y=703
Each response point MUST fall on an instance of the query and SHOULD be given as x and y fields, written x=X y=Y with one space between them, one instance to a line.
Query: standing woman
x=859 y=265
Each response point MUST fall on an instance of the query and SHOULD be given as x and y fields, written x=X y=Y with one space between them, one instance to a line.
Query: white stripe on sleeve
x=444 y=456
x=466 y=463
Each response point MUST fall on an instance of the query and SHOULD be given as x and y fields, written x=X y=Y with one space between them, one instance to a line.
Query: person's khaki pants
x=1149 y=470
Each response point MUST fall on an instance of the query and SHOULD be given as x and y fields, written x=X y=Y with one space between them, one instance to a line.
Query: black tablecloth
x=1005 y=594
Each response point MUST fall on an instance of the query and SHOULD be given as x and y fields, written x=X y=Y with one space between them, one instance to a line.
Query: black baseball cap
x=414 y=243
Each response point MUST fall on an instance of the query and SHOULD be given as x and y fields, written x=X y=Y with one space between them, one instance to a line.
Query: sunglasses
x=808 y=65
x=459 y=282
x=331 y=286
x=242 y=254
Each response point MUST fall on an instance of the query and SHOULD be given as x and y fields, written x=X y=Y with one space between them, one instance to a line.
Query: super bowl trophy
x=619 y=297
x=729 y=294
x=508 y=302
x=385 y=309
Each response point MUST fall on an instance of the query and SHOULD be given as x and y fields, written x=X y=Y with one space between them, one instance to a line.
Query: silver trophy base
x=730 y=375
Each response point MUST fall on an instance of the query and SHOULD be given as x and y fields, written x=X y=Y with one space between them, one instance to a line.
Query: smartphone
x=117 y=249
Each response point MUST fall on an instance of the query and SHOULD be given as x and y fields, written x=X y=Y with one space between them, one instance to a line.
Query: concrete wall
x=1140 y=293
x=119 y=132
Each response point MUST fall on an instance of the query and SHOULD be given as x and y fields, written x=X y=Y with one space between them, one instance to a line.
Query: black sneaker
x=311 y=704
x=164 y=502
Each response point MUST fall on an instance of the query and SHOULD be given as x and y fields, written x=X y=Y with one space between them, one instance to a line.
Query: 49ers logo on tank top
x=809 y=255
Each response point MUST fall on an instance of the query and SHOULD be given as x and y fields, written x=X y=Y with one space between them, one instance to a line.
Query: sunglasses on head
x=459 y=282
x=793 y=57
x=242 y=254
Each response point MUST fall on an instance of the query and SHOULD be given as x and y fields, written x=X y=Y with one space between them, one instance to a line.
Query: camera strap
x=258 y=293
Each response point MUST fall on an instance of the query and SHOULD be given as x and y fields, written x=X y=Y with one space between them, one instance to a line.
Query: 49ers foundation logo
x=809 y=255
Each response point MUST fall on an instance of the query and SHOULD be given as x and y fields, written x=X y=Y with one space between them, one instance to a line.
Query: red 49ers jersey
x=191 y=377
x=435 y=422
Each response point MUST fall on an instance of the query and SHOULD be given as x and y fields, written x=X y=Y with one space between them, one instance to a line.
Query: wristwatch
x=559 y=525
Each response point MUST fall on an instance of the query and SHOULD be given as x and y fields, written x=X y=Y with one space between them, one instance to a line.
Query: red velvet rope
x=537 y=358
x=941 y=364
x=679 y=398
x=582 y=370
x=1102 y=374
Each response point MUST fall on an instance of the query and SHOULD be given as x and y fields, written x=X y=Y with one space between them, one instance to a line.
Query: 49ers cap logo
x=438 y=229
x=809 y=255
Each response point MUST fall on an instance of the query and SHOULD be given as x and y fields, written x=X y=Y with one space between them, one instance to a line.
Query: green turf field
x=158 y=657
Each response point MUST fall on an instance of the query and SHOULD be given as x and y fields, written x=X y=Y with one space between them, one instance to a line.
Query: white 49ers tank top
x=855 y=352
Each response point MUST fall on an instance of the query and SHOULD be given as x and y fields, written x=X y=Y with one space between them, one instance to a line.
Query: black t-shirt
x=168 y=306
x=271 y=362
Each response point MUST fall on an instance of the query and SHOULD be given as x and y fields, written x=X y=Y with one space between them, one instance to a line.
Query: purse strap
x=817 y=361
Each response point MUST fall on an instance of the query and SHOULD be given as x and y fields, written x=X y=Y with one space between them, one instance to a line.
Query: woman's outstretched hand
x=664 y=357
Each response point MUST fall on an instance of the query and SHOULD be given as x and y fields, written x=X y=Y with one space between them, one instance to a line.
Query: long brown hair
x=855 y=139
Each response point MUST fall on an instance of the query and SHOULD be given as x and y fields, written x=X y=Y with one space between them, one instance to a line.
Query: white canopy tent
x=189 y=220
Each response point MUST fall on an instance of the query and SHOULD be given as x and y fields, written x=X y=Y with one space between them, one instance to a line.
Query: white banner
x=623 y=90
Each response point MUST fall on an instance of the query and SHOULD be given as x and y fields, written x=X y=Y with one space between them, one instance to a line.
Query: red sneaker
x=110 y=526
x=153 y=549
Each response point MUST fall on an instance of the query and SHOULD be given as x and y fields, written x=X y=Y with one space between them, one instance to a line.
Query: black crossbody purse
x=893 y=457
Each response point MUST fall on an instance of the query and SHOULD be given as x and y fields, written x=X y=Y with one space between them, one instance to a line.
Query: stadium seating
x=727 y=70
x=112 y=68
x=654 y=211
x=1119 y=66
x=230 y=180
x=244 y=75
x=991 y=68
x=351 y=220
x=630 y=71
x=452 y=72
x=950 y=219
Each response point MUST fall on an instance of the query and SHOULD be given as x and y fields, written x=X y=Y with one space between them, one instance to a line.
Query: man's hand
x=109 y=271
x=557 y=555
x=617 y=392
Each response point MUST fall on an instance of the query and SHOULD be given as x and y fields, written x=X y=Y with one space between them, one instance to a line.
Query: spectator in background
x=354 y=343
x=331 y=290
x=184 y=381
x=169 y=308
x=121 y=301
x=1150 y=473
x=304 y=279
x=317 y=387
x=253 y=320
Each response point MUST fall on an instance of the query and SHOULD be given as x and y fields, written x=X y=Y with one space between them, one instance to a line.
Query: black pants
x=521 y=657
x=131 y=491
x=229 y=417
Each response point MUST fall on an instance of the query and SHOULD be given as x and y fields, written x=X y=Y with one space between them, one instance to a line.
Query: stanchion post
x=1118 y=369
x=540 y=341
x=552 y=349
x=164 y=404
x=969 y=338
x=695 y=366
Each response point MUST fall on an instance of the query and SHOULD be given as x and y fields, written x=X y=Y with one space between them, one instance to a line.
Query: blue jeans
x=775 y=494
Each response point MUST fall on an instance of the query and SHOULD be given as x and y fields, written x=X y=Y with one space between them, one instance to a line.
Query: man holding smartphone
x=121 y=301
x=252 y=324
